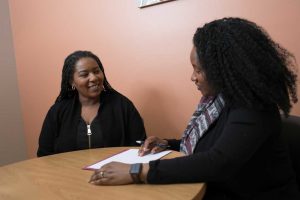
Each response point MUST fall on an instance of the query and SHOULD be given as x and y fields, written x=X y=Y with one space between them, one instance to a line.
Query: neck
x=88 y=101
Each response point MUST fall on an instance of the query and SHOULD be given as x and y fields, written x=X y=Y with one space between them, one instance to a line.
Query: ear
x=73 y=86
x=71 y=82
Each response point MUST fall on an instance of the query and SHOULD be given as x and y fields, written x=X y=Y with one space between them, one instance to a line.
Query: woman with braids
x=88 y=113
x=233 y=140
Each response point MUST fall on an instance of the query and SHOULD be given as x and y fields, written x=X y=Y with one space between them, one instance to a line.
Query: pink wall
x=145 y=51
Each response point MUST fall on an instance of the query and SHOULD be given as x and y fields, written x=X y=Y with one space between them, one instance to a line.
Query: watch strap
x=135 y=171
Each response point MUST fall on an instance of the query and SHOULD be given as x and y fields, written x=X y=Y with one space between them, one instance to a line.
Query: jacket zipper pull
x=89 y=133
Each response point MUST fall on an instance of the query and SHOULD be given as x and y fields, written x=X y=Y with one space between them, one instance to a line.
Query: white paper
x=129 y=157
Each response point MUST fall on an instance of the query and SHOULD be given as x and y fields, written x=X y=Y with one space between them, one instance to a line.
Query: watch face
x=135 y=168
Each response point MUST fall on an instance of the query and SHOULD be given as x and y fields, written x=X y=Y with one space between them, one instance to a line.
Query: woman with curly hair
x=233 y=140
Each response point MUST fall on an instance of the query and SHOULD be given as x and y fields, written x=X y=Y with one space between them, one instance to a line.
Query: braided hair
x=66 y=91
x=242 y=62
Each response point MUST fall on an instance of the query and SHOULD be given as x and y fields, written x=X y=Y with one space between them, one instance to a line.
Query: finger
x=93 y=177
x=156 y=150
x=97 y=182
x=104 y=180
x=106 y=167
x=101 y=181
x=148 y=144
x=141 y=149
x=100 y=178
x=143 y=153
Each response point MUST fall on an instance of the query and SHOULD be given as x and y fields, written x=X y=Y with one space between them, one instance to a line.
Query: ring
x=102 y=174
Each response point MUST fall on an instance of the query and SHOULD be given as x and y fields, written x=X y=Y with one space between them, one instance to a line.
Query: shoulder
x=238 y=114
x=116 y=97
x=61 y=106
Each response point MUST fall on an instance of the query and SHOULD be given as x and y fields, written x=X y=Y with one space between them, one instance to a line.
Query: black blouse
x=118 y=123
x=241 y=156
x=96 y=136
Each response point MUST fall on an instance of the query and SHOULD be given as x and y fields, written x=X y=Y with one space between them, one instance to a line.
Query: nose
x=193 y=77
x=93 y=77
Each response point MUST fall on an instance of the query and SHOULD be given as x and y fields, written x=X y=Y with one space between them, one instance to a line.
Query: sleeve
x=135 y=129
x=242 y=135
x=48 y=134
x=174 y=144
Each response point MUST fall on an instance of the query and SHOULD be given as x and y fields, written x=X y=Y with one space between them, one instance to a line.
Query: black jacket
x=118 y=122
x=241 y=156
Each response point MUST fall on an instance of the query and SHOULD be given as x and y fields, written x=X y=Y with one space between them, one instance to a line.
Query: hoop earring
x=73 y=87
x=103 y=88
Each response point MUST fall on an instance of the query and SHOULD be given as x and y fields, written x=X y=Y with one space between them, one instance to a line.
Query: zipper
x=89 y=134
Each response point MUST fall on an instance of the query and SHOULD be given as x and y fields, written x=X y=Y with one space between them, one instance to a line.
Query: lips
x=94 y=87
x=198 y=86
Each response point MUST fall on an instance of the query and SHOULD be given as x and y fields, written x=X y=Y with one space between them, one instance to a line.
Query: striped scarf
x=207 y=112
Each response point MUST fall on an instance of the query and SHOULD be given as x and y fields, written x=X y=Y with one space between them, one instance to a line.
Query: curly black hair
x=66 y=91
x=242 y=62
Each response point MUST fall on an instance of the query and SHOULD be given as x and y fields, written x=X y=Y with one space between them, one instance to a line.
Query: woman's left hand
x=114 y=173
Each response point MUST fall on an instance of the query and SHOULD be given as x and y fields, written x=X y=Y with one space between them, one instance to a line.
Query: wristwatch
x=135 y=171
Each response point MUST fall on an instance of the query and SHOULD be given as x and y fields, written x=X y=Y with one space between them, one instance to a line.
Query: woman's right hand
x=153 y=145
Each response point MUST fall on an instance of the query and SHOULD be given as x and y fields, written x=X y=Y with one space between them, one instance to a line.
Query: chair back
x=291 y=133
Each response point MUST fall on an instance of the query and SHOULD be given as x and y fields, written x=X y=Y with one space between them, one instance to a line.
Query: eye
x=198 y=71
x=97 y=71
x=83 y=74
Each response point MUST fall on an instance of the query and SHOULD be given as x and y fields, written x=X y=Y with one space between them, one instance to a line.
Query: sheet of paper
x=129 y=156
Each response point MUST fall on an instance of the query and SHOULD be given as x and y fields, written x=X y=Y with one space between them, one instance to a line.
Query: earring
x=73 y=87
x=103 y=88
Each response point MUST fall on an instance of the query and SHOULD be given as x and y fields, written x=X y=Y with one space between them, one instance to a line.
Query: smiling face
x=198 y=76
x=88 y=78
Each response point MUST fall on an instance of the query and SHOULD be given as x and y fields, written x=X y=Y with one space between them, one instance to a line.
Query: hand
x=152 y=145
x=114 y=173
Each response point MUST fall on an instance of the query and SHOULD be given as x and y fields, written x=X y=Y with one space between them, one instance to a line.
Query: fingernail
x=91 y=179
